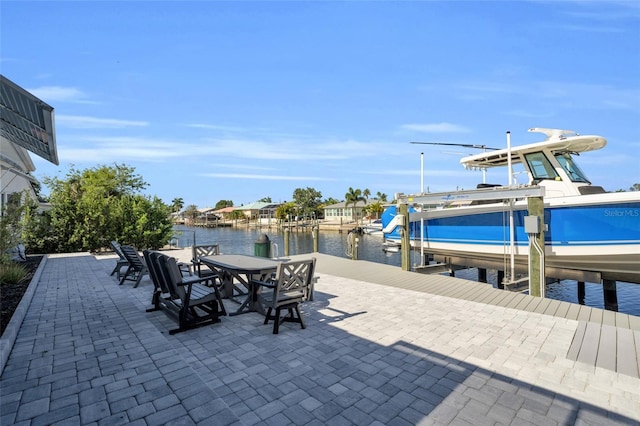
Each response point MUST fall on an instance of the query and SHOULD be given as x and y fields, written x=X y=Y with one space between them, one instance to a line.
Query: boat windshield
x=572 y=169
x=540 y=166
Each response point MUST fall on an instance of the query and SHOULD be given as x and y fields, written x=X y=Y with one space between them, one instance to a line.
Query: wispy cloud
x=562 y=93
x=84 y=122
x=435 y=128
x=265 y=177
x=216 y=127
x=107 y=149
x=53 y=94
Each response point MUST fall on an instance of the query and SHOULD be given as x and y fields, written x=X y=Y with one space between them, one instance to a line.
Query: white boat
x=373 y=228
x=589 y=233
x=391 y=246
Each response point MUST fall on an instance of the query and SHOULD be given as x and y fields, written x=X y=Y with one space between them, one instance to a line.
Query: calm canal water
x=241 y=241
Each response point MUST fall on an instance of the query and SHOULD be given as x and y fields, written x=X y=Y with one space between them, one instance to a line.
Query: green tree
x=286 y=210
x=353 y=196
x=366 y=193
x=191 y=212
x=375 y=208
x=265 y=200
x=177 y=204
x=381 y=196
x=92 y=207
x=307 y=200
x=329 y=201
x=635 y=187
x=223 y=204
x=237 y=215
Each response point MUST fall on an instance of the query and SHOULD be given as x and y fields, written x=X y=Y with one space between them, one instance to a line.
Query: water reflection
x=241 y=241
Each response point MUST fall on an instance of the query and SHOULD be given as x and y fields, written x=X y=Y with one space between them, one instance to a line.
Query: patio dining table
x=241 y=268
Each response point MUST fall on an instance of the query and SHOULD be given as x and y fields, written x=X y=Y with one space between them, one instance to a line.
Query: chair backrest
x=204 y=250
x=117 y=249
x=132 y=256
x=293 y=278
x=159 y=282
x=169 y=267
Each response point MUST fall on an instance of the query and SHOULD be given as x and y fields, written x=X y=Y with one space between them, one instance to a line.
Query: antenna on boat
x=464 y=145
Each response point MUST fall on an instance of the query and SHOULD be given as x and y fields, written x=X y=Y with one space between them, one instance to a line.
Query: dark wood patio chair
x=121 y=261
x=161 y=292
x=190 y=301
x=199 y=251
x=136 y=268
x=286 y=290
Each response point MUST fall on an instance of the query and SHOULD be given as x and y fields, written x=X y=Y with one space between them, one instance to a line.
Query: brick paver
x=371 y=354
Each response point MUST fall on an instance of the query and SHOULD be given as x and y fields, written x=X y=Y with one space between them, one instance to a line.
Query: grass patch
x=12 y=273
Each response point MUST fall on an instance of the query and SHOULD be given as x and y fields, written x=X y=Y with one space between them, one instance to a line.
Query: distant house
x=341 y=212
x=27 y=125
x=225 y=212
x=260 y=211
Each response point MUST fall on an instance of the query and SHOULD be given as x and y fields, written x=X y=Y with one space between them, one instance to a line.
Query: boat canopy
x=555 y=144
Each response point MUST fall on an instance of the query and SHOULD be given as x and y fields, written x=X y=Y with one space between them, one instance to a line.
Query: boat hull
x=597 y=235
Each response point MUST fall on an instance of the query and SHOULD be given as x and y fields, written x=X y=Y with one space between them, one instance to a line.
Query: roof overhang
x=27 y=121
x=500 y=158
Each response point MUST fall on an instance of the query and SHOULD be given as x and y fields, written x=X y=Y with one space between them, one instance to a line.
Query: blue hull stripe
x=602 y=225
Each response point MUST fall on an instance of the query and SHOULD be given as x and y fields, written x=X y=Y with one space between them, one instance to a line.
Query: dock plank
x=590 y=344
x=552 y=307
x=576 y=343
x=607 y=347
x=626 y=362
x=592 y=341
x=609 y=317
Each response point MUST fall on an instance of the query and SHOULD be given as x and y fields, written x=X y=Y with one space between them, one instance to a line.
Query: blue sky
x=243 y=100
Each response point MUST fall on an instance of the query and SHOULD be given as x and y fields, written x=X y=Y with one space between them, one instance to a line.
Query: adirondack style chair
x=286 y=290
x=190 y=302
x=199 y=251
x=161 y=289
x=121 y=262
x=136 y=268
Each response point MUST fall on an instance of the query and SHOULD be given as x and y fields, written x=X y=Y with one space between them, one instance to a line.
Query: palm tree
x=177 y=204
x=352 y=197
x=366 y=193
x=382 y=197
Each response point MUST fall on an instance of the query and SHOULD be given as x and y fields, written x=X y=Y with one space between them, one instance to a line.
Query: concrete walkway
x=88 y=353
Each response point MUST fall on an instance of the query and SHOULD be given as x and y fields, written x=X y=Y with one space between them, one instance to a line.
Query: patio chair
x=191 y=303
x=161 y=289
x=136 y=267
x=122 y=261
x=198 y=252
x=285 y=290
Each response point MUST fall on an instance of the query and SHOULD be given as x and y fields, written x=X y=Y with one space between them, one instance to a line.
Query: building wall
x=14 y=164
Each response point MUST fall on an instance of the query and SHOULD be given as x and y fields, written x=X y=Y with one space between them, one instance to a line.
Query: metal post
x=405 y=247
x=501 y=280
x=537 y=277
x=482 y=275
x=422 y=209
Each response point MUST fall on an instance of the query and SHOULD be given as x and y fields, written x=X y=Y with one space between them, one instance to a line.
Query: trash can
x=262 y=246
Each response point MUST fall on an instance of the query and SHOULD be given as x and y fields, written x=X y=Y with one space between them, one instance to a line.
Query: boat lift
x=536 y=215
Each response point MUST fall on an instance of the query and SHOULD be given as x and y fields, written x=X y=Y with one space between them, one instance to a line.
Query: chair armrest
x=269 y=284
x=194 y=279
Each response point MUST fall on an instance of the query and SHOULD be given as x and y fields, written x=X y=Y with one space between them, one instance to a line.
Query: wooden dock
x=605 y=339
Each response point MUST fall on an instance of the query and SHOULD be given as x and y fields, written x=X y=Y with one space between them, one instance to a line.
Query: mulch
x=11 y=294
